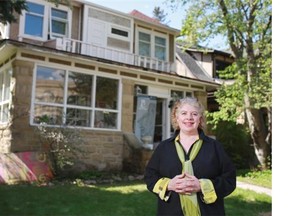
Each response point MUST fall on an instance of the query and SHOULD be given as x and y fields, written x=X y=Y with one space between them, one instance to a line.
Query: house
x=203 y=64
x=109 y=74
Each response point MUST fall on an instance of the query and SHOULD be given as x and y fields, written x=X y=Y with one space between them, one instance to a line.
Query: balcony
x=80 y=47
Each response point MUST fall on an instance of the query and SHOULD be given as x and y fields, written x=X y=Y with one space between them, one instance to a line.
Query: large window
x=5 y=95
x=76 y=99
x=151 y=44
x=45 y=21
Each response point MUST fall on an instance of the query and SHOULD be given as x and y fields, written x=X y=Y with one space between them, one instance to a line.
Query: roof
x=198 y=48
x=193 y=66
x=138 y=14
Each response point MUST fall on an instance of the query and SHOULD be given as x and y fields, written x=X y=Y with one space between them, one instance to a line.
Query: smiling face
x=188 y=118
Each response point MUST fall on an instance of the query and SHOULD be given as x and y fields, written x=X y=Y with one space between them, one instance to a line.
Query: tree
x=160 y=15
x=8 y=8
x=247 y=27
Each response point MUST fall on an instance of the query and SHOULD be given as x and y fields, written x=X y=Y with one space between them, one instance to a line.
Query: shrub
x=236 y=141
x=62 y=142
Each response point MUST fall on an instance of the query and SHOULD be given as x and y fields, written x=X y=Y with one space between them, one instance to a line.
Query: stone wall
x=102 y=150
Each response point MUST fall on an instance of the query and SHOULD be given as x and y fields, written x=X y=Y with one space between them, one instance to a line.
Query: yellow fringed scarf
x=189 y=203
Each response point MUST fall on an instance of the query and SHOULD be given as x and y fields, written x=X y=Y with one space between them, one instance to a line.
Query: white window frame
x=67 y=22
x=120 y=37
x=65 y=105
x=6 y=71
x=47 y=20
x=152 y=44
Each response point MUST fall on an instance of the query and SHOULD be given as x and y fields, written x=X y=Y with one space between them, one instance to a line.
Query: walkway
x=255 y=188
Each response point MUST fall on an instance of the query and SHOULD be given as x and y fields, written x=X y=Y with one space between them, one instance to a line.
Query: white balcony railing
x=80 y=47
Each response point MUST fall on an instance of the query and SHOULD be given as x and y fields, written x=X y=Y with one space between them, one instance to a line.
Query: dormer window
x=152 y=44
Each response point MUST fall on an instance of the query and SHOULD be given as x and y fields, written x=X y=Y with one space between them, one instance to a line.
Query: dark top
x=211 y=163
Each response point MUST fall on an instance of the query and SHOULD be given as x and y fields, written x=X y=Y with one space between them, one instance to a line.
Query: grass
x=260 y=178
x=119 y=199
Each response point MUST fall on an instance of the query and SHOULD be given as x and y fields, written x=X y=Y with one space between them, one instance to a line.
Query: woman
x=190 y=172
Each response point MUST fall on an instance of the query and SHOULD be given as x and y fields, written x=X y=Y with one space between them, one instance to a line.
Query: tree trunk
x=258 y=133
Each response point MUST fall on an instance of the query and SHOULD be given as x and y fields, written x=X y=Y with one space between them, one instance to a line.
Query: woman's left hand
x=192 y=184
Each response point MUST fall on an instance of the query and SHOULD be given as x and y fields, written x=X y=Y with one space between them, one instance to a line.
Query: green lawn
x=260 y=178
x=125 y=199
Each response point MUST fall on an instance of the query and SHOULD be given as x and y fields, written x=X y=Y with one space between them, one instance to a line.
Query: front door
x=160 y=121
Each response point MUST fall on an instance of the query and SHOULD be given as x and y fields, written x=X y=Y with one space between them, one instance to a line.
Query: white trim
x=91 y=108
x=46 y=19
x=152 y=42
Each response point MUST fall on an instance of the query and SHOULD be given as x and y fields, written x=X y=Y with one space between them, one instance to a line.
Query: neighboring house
x=203 y=64
x=100 y=70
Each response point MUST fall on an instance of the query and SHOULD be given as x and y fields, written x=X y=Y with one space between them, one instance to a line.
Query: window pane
x=5 y=113
x=160 y=53
x=59 y=13
x=144 y=37
x=49 y=85
x=144 y=44
x=1 y=86
x=49 y=114
x=7 y=86
x=106 y=93
x=58 y=27
x=35 y=8
x=119 y=32
x=59 y=21
x=144 y=49
x=105 y=119
x=78 y=117
x=160 y=48
x=79 y=89
x=33 y=25
x=160 y=41
x=177 y=94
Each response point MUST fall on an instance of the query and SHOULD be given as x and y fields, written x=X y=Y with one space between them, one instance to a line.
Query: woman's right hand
x=177 y=184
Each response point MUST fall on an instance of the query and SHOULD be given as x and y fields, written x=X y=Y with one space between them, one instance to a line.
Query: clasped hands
x=184 y=184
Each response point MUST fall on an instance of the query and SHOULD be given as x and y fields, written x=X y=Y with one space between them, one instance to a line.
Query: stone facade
x=103 y=148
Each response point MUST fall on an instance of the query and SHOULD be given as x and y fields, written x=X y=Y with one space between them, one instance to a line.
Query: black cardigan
x=211 y=163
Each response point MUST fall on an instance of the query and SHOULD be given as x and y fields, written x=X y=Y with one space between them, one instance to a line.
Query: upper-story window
x=152 y=44
x=43 y=21
x=34 y=20
x=160 y=48
x=59 y=23
x=144 y=44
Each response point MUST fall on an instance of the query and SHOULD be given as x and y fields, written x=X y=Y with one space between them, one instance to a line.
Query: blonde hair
x=192 y=102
